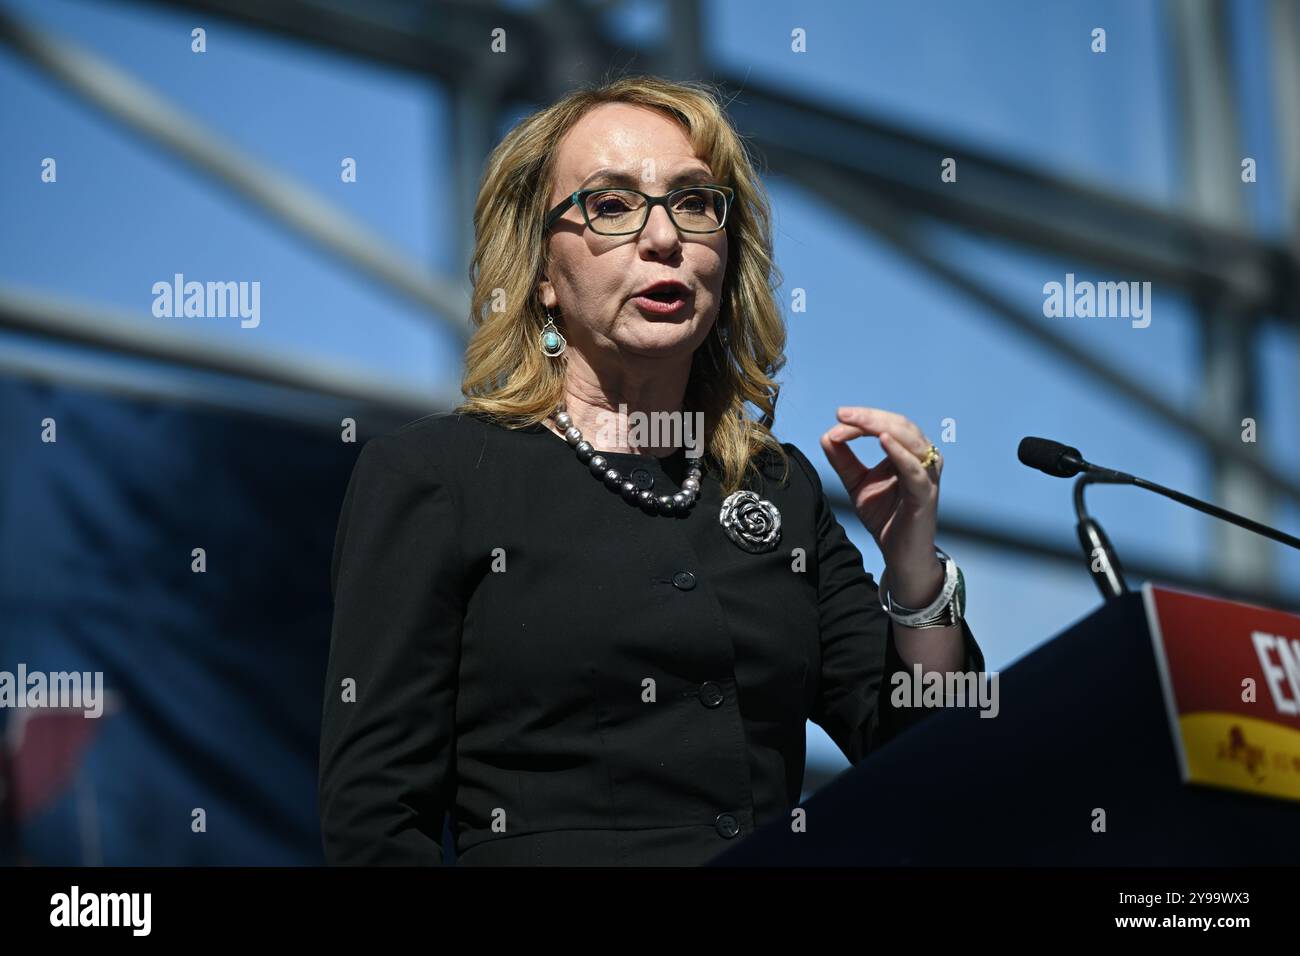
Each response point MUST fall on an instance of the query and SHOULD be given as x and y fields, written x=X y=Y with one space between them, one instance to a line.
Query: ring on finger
x=930 y=458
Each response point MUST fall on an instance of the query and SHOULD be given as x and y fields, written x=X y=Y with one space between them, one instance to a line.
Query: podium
x=1082 y=724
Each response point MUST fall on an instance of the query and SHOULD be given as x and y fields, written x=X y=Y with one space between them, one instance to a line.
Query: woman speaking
x=585 y=641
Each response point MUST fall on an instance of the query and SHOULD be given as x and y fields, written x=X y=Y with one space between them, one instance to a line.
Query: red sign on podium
x=1231 y=678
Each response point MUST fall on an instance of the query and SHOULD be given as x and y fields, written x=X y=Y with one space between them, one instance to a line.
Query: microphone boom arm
x=1218 y=512
x=1109 y=577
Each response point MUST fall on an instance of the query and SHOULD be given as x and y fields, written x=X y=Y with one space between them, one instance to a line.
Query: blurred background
x=1164 y=149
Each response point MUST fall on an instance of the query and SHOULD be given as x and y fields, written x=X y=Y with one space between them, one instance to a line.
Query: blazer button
x=642 y=479
x=684 y=580
x=727 y=825
x=711 y=694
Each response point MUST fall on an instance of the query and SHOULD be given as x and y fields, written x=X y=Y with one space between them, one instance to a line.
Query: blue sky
x=1016 y=78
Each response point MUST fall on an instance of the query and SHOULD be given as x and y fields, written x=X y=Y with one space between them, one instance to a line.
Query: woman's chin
x=663 y=344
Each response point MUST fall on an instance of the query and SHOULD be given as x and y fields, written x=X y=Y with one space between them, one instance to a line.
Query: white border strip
x=1166 y=682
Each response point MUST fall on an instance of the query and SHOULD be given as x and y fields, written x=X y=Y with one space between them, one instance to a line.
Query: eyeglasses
x=622 y=212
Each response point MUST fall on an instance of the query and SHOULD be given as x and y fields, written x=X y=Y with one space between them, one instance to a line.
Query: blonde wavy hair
x=507 y=378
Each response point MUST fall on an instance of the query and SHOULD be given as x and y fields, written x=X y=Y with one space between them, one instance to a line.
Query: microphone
x=1064 y=461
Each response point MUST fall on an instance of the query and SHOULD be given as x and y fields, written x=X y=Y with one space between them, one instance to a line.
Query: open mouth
x=662 y=299
x=665 y=295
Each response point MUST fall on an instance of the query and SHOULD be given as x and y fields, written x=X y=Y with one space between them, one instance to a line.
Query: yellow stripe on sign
x=1242 y=753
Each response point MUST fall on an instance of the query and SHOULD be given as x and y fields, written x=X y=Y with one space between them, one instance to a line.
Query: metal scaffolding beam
x=897 y=227
x=1211 y=130
x=140 y=109
x=72 y=322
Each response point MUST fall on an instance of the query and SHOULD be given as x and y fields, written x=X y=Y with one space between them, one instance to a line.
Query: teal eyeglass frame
x=579 y=198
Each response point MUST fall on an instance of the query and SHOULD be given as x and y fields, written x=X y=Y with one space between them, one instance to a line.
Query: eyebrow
x=624 y=178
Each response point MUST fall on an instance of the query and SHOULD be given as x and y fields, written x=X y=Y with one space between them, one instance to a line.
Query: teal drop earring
x=553 y=342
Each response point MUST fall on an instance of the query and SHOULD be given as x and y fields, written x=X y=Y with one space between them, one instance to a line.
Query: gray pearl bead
x=572 y=435
x=612 y=477
x=564 y=420
x=681 y=500
x=630 y=491
x=691 y=484
x=585 y=450
x=598 y=464
x=666 y=504
x=647 y=497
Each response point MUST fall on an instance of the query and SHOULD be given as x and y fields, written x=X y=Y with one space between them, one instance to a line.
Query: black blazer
x=572 y=679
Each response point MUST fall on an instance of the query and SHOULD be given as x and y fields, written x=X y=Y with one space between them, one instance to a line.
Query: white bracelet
x=928 y=615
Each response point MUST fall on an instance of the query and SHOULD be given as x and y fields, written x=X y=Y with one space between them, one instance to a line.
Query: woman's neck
x=625 y=430
x=631 y=407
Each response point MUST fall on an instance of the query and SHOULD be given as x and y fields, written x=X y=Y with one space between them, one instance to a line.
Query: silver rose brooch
x=750 y=521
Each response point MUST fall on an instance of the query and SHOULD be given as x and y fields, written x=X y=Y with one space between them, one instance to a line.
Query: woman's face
x=592 y=280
